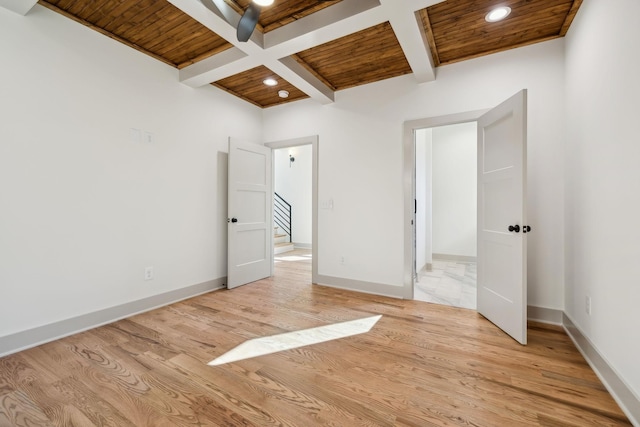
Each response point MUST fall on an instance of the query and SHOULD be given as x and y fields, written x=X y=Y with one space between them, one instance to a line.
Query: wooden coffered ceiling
x=314 y=48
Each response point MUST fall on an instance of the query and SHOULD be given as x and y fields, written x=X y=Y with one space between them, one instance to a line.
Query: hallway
x=450 y=283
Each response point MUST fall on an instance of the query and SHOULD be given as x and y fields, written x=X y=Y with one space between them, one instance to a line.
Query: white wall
x=360 y=160
x=83 y=209
x=455 y=190
x=424 y=231
x=602 y=175
x=293 y=182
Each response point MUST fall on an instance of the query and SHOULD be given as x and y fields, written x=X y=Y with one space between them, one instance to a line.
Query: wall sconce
x=291 y=159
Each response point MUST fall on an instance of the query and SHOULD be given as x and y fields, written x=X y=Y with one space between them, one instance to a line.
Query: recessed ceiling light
x=283 y=93
x=498 y=14
x=270 y=82
x=263 y=2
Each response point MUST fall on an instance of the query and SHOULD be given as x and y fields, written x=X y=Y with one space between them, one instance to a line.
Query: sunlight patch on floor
x=290 y=340
x=293 y=258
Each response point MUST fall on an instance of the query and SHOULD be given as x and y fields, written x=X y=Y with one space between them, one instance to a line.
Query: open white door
x=250 y=224
x=502 y=256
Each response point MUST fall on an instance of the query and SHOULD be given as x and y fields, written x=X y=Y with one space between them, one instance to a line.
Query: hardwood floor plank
x=90 y=404
x=396 y=388
x=185 y=401
x=244 y=399
x=16 y=408
x=420 y=365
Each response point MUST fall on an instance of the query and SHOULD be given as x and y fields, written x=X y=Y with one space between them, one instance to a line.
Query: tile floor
x=449 y=283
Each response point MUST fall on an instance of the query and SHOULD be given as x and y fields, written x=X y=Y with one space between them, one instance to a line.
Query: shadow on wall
x=223 y=183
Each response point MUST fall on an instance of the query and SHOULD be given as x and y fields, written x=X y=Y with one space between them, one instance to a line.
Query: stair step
x=279 y=248
x=281 y=238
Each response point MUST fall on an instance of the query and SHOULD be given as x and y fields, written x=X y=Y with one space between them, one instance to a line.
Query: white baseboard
x=622 y=394
x=359 y=286
x=427 y=267
x=19 y=341
x=302 y=245
x=448 y=257
x=544 y=315
x=42 y=334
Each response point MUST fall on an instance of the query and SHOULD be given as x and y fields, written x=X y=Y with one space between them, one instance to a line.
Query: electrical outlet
x=587 y=305
x=341 y=260
x=148 y=273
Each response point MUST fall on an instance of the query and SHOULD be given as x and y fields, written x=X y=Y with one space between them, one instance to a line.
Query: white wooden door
x=502 y=255
x=250 y=229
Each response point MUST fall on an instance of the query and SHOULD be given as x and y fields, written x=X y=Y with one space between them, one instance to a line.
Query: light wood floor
x=421 y=365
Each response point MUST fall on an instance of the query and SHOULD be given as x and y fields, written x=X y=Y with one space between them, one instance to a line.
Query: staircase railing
x=282 y=214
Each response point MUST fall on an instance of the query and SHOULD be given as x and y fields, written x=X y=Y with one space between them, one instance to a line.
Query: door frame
x=409 y=185
x=312 y=140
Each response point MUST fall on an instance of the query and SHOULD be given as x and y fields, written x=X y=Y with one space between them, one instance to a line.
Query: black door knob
x=234 y=219
x=526 y=229
x=515 y=228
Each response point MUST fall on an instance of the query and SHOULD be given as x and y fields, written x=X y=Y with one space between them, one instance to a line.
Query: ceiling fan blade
x=223 y=10
x=248 y=22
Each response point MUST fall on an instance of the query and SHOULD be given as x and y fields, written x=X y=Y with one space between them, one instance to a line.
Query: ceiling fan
x=249 y=19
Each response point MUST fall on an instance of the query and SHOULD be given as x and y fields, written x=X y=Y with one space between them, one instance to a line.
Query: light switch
x=326 y=204
x=148 y=137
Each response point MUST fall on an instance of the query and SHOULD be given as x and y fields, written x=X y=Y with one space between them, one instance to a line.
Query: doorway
x=446 y=214
x=296 y=175
x=501 y=192
x=409 y=187
x=292 y=205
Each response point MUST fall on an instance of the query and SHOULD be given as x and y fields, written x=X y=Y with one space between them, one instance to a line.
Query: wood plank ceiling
x=156 y=28
x=306 y=49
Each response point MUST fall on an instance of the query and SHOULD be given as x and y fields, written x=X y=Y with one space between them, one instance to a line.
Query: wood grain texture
x=421 y=365
x=569 y=18
x=460 y=32
x=428 y=31
x=455 y=30
x=154 y=27
x=249 y=86
x=282 y=12
x=364 y=57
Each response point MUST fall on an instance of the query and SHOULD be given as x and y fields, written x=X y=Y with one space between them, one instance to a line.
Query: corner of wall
x=621 y=392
